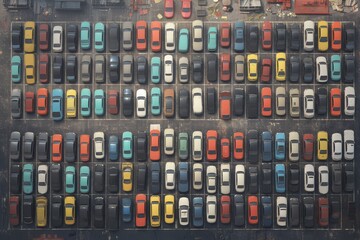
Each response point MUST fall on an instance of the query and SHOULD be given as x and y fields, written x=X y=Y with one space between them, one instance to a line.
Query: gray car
x=128 y=35
x=184 y=69
x=29 y=145
x=239 y=73
x=15 y=146
x=99 y=69
x=128 y=65
x=70 y=147
x=86 y=63
x=16 y=103
x=42 y=146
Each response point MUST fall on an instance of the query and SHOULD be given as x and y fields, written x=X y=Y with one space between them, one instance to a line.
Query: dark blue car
x=198 y=215
x=183 y=177
x=266 y=146
x=266 y=210
x=280 y=178
x=113 y=148
x=126 y=209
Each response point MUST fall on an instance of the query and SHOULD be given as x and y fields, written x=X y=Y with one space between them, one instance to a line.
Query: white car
x=336 y=146
x=197 y=145
x=170 y=37
x=349 y=144
x=309 y=103
x=294 y=102
x=280 y=104
x=99 y=145
x=294 y=146
x=211 y=209
x=309 y=178
x=170 y=176
x=211 y=175
x=57 y=43
x=184 y=211
x=197 y=101
x=349 y=101
x=184 y=69
x=197 y=35
x=321 y=70
x=323 y=179
x=43 y=179
x=169 y=141
x=225 y=178
x=141 y=103
x=197 y=176
x=281 y=211
x=309 y=35
x=240 y=178
x=168 y=68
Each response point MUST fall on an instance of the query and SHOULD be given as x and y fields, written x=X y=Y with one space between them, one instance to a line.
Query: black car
x=308 y=69
x=184 y=103
x=72 y=37
x=155 y=178
x=71 y=68
x=280 y=37
x=58 y=69
x=294 y=71
x=349 y=69
x=348 y=178
x=294 y=212
x=348 y=37
x=141 y=146
x=253 y=180
x=70 y=147
x=335 y=209
x=29 y=145
x=252 y=103
x=253 y=39
x=238 y=101
x=99 y=178
x=112 y=212
x=56 y=177
x=336 y=178
x=212 y=67
x=42 y=146
x=197 y=70
x=142 y=70
x=252 y=146
x=15 y=146
x=114 y=69
x=28 y=209
x=266 y=211
x=211 y=100
x=17 y=37
x=294 y=178
x=16 y=104
x=141 y=177
x=321 y=101
x=128 y=102
x=84 y=215
x=113 y=179
x=57 y=211
x=114 y=37
x=266 y=178
x=15 y=179
x=295 y=37
x=308 y=212
x=239 y=210
x=99 y=212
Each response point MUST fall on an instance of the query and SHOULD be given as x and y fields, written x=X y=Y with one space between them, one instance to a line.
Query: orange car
x=141 y=32
x=335 y=102
x=225 y=105
x=42 y=101
x=225 y=34
x=225 y=71
x=225 y=148
x=211 y=145
x=57 y=147
x=154 y=145
x=140 y=208
x=85 y=147
x=336 y=36
x=155 y=36
x=266 y=102
x=253 y=211
x=238 y=148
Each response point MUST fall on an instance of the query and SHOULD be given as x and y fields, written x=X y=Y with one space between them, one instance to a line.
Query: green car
x=85 y=36
x=212 y=39
x=184 y=40
x=84 y=179
x=155 y=69
x=70 y=179
x=155 y=101
x=99 y=37
x=127 y=145
x=85 y=102
x=16 y=70
x=335 y=67
x=183 y=146
x=28 y=178
x=99 y=101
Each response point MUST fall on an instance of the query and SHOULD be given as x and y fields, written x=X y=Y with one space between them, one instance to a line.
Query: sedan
x=141 y=103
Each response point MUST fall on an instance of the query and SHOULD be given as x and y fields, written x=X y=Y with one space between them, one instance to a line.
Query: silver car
x=309 y=103
x=184 y=211
x=211 y=209
x=197 y=34
x=309 y=35
x=294 y=146
x=240 y=178
x=197 y=176
x=141 y=103
x=169 y=141
x=349 y=144
x=225 y=178
x=128 y=65
x=336 y=146
x=239 y=73
x=170 y=176
x=321 y=69
x=294 y=102
x=197 y=101
x=349 y=101
x=309 y=178
x=280 y=101
x=57 y=43
x=211 y=175
x=281 y=211
x=323 y=172
x=184 y=70
x=43 y=179
x=99 y=69
x=86 y=69
x=197 y=145
x=128 y=35
x=170 y=37
x=168 y=68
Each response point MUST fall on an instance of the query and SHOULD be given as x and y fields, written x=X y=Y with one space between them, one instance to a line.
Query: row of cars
x=154 y=211
x=335 y=35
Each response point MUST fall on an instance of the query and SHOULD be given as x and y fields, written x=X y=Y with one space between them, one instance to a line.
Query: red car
x=323 y=212
x=308 y=146
x=169 y=8
x=266 y=35
x=113 y=102
x=85 y=147
x=155 y=41
x=154 y=145
x=141 y=35
x=253 y=210
x=44 y=37
x=335 y=102
x=186 y=8
x=266 y=109
x=29 y=102
x=57 y=140
x=225 y=34
x=225 y=148
x=42 y=101
x=44 y=68
x=225 y=212
x=225 y=67
x=225 y=105
x=211 y=145
x=140 y=209
x=336 y=36
x=238 y=148
x=266 y=70
x=14 y=210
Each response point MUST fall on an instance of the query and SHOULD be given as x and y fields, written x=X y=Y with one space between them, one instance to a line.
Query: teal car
x=99 y=102
x=84 y=179
x=155 y=101
x=99 y=37
x=85 y=102
x=57 y=110
x=127 y=145
x=155 y=70
x=335 y=67
x=183 y=146
x=184 y=40
x=85 y=36
x=212 y=39
x=28 y=178
x=70 y=179
x=16 y=70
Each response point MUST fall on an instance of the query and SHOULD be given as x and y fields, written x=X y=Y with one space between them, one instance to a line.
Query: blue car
x=113 y=148
x=85 y=102
x=266 y=211
x=266 y=146
x=198 y=215
x=212 y=39
x=280 y=178
x=57 y=104
x=28 y=178
x=184 y=40
x=70 y=179
x=335 y=67
x=155 y=70
x=99 y=102
x=155 y=101
x=84 y=179
x=280 y=146
x=99 y=37
x=239 y=40
x=126 y=209
x=16 y=69
x=183 y=185
x=85 y=36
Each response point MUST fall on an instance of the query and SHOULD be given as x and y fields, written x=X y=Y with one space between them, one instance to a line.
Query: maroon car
x=323 y=211
x=113 y=102
x=29 y=102
x=266 y=70
x=44 y=68
x=14 y=210
x=308 y=146
x=44 y=37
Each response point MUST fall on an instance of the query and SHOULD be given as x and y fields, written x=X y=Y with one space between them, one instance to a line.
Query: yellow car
x=169 y=209
x=252 y=66
x=69 y=203
x=29 y=61
x=280 y=67
x=41 y=211
x=29 y=37
x=155 y=211
x=127 y=169
x=322 y=145
x=71 y=103
x=323 y=34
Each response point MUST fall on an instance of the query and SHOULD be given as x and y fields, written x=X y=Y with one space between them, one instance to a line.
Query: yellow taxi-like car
x=127 y=169
x=29 y=37
x=71 y=100
x=280 y=74
x=322 y=145
x=252 y=65
x=29 y=61
x=41 y=211
x=69 y=203
x=155 y=211
x=323 y=36
x=169 y=209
